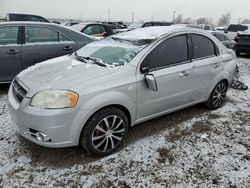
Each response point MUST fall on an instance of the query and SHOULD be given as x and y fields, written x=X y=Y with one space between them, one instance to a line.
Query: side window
x=8 y=35
x=172 y=51
x=92 y=30
x=63 y=38
x=203 y=47
x=40 y=34
x=102 y=29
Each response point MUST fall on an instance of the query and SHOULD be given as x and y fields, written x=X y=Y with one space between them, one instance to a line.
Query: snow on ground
x=190 y=148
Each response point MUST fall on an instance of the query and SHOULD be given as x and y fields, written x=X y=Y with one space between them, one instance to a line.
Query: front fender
x=96 y=103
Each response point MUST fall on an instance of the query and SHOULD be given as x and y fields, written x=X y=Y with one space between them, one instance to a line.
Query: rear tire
x=218 y=95
x=237 y=52
x=104 y=132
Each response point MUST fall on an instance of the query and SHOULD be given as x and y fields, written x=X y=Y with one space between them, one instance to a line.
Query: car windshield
x=112 y=51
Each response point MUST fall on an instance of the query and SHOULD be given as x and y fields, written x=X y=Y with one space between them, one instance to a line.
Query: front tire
x=104 y=132
x=218 y=95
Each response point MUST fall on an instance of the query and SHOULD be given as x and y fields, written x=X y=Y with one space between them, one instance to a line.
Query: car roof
x=151 y=33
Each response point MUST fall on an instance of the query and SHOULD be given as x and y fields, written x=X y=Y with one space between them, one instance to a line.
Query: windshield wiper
x=96 y=61
x=80 y=58
x=86 y=59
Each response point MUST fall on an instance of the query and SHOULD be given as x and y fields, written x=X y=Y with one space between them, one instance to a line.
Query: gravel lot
x=193 y=147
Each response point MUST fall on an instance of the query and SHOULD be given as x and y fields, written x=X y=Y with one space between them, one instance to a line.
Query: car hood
x=61 y=73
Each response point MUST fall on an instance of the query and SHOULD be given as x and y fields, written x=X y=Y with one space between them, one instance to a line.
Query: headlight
x=54 y=99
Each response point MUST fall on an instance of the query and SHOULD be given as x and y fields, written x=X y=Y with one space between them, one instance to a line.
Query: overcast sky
x=122 y=9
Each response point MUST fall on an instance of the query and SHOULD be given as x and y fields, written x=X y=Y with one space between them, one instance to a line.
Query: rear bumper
x=243 y=48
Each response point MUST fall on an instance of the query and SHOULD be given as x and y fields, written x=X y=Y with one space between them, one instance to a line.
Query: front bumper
x=57 y=124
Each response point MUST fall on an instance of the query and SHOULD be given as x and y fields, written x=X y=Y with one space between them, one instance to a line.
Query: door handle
x=12 y=51
x=216 y=65
x=67 y=48
x=184 y=73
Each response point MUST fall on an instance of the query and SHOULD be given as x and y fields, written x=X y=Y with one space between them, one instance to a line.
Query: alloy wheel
x=219 y=94
x=108 y=133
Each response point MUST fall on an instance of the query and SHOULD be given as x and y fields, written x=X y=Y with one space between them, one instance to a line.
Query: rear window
x=236 y=28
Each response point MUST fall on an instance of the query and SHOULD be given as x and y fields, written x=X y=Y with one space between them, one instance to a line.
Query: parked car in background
x=25 y=17
x=220 y=28
x=229 y=43
x=94 y=96
x=119 y=25
x=207 y=27
x=70 y=23
x=234 y=29
x=23 y=44
x=97 y=30
x=138 y=25
x=242 y=43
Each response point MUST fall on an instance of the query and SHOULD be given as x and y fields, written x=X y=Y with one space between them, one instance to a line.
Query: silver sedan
x=94 y=96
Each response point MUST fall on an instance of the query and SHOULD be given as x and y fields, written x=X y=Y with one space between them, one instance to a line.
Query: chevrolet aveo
x=95 y=95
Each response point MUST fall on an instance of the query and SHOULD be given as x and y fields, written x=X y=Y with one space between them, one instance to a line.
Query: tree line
x=223 y=21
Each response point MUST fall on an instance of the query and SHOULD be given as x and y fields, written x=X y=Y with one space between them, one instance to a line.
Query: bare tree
x=202 y=21
x=224 y=20
x=246 y=21
x=188 y=20
x=179 y=19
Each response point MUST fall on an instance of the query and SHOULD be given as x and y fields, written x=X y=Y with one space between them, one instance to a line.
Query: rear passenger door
x=206 y=61
x=10 y=53
x=43 y=43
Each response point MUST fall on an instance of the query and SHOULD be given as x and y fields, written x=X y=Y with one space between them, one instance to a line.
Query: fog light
x=42 y=137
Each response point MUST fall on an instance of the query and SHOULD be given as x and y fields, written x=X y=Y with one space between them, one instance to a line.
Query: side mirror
x=145 y=70
x=151 y=82
x=225 y=31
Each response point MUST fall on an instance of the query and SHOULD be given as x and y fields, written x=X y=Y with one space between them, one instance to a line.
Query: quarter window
x=203 y=47
x=8 y=35
x=172 y=51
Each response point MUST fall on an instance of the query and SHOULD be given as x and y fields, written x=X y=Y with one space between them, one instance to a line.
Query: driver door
x=172 y=69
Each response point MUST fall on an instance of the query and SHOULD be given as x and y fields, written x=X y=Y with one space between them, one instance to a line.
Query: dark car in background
x=26 y=17
x=233 y=29
x=23 y=44
x=224 y=39
x=242 y=43
x=97 y=30
x=119 y=25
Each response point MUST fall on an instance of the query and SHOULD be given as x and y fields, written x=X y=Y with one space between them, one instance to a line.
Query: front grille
x=18 y=91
